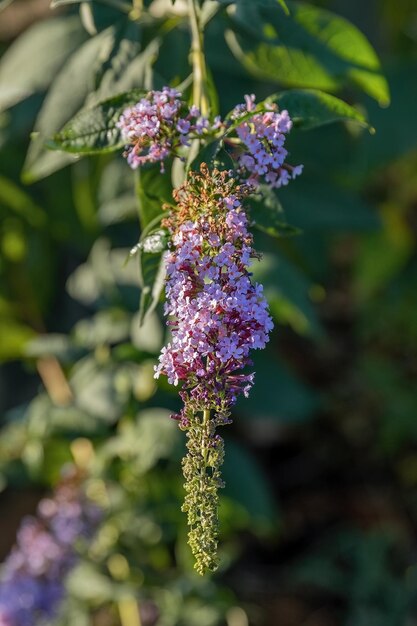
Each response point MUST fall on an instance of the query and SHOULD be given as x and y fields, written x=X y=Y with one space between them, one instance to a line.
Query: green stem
x=205 y=438
x=199 y=63
x=137 y=10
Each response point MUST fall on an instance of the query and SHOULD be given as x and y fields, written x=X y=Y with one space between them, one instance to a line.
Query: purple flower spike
x=217 y=315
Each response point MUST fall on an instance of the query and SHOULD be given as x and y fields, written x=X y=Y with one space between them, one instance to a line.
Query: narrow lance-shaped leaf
x=126 y=48
x=93 y=130
x=153 y=188
x=28 y=66
x=152 y=280
x=64 y=99
x=309 y=108
x=151 y=270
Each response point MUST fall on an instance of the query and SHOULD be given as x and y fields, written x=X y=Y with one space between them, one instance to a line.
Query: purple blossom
x=32 y=582
x=158 y=125
x=263 y=136
x=216 y=314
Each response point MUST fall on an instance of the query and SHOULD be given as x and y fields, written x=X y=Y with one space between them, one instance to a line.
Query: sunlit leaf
x=310 y=108
x=93 y=130
x=311 y=47
x=65 y=98
x=29 y=65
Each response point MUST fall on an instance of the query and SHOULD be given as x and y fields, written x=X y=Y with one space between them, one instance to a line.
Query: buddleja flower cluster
x=263 y=136
x=217 y=315
x=158 y=125
x=32 y=581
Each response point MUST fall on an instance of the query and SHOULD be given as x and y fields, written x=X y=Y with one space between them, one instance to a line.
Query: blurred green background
x=319 y=514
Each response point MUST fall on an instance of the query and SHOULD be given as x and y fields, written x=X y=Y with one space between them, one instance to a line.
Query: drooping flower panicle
x=32 y=581
x=263 y=137
x=217 y=315
x=158 y=125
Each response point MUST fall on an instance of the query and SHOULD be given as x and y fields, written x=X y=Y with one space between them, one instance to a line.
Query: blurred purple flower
x=32 y=581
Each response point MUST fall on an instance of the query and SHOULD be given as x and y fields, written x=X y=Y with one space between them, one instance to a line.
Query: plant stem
x=204 y=449
x=199 y=63
x=137 y=9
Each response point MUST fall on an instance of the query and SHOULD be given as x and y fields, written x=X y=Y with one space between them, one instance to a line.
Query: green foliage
x=28 y=65
x=93 y=130
x=68 y=297
x=310 y=47
x=310 y=108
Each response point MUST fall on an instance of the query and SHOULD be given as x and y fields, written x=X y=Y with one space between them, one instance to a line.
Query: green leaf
x=106 y=327
x=97 y=391
x=153 y=189
x=151 y=437
x=52 y=344
x=310 y=108
x=314 y=206
x=14 y=338
x=310 y=48
x=266 y=3
x=87 y=584
x=65 y=98
x=268 y=215
x=277 y=396
x=109 y=79
x=152 y=281
x=21 y=203
x=104 y=276
x=287 y=290
x=214 y=155
x=32 y=61
x=151 y=274
x=116 y=195
x=93 y=130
